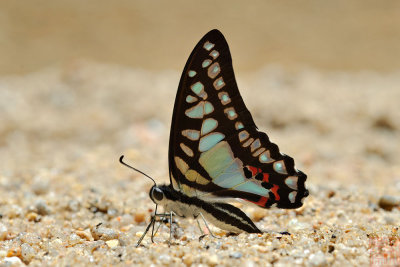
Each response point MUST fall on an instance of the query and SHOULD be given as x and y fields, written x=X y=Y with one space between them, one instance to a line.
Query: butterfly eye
x=157 y=194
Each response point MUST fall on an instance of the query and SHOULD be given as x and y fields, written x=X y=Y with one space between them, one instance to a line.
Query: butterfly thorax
x=222 y=215
x=172 y=200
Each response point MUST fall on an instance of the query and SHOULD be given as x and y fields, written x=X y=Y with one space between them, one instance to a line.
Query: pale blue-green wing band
x=209 y=141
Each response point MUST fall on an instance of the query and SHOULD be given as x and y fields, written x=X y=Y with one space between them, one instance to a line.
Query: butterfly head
x=162 y=195
x=156 y=194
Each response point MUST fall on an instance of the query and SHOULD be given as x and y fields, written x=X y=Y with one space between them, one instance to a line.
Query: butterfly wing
x=215 y=149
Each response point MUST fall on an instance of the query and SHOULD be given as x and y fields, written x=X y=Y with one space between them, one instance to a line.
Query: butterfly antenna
x=129 y=166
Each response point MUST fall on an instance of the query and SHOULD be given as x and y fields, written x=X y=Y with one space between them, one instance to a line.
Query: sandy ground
x=63 y=129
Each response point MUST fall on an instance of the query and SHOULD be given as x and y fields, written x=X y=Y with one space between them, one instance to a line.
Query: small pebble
x=100 y=205
x=317 y=259
x=188 y=259
x=236 y=255
x=40 y=187
x=387 y=202
x=259 y=214
x=14 y=211
x=85 y=235
x=31 y=238
x=331 y=193
x=139 y=234
x=112 y=212
x=3 y=232
x=56 y=243
x=12 y=261
x=249 y=263
x=73 y=205
x=27 y=253
x=390 y=220
x=213 y=260
x=74 y=239
x=140 y=217
x=164 y=258
x=32 y=217
x=112 y=243
x=383 y=123
x=296 y=225
x=373 y=206
x=14 y=252
x=126 y=220
x=103 y=233
x=261 y=249
x=42 y=208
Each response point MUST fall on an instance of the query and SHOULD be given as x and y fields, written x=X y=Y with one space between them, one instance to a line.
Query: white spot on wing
x=243 y=135
x=214 y=54
x=219 y=83
x=214 y=70
x=291 y=182
x=208 y=46
x=292 y=196
x=230 y=113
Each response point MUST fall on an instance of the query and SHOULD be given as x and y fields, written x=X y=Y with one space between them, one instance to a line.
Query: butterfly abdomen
x=222 y=215
x=229 y=218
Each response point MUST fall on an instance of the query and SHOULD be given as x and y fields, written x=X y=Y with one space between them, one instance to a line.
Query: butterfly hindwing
x=215 y=148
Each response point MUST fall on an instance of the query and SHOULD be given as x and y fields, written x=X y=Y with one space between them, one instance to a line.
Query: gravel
x=65 y=199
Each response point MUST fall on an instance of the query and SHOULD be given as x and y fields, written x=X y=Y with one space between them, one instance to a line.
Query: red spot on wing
x=254 y=170
x=265 y=177
x=261 y=202
x=274 y=190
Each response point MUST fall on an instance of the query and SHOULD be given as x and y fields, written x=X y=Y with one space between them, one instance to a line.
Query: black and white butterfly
x=216 y=151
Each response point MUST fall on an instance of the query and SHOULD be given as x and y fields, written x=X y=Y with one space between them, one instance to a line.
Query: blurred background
x=82 y=82
x=334 y=35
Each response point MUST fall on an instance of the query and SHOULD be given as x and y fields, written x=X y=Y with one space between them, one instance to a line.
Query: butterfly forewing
x=215 y=148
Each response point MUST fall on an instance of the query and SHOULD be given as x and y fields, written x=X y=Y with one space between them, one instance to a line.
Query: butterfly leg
x=151 y=224
x=145 y=232
x=201 y=230
x=170 y=227
x=198 y=224
x=161 y=220
x=208 y=228
x=159 y=225
x=154 y=222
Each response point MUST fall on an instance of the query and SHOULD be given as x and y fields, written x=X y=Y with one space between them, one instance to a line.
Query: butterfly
x=216 y=151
